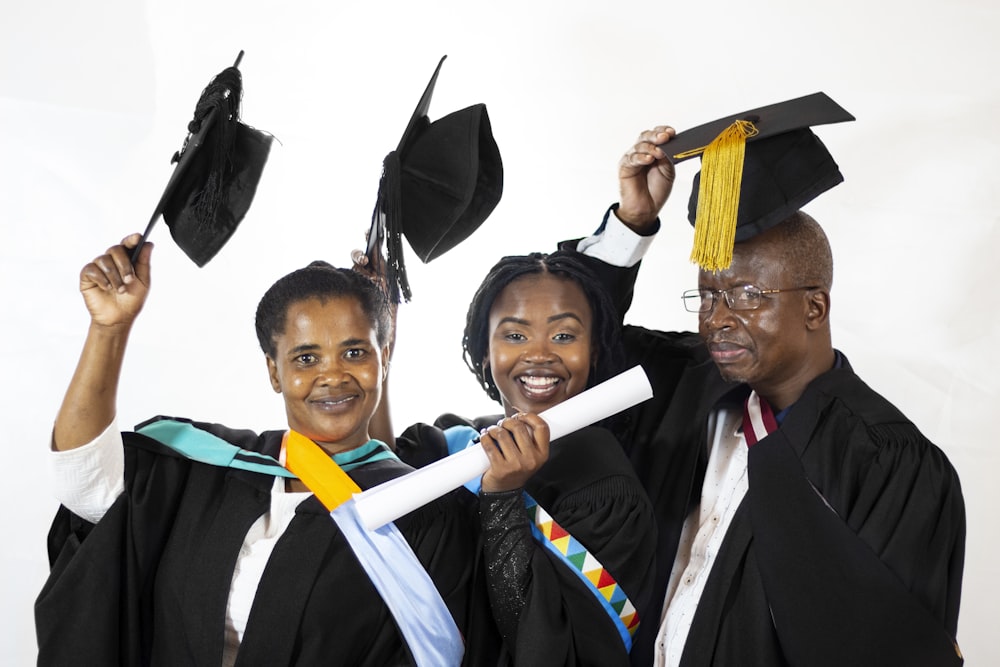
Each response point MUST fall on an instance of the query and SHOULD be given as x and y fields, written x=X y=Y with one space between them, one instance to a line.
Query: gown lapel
x=246 y=497
x=272 y=628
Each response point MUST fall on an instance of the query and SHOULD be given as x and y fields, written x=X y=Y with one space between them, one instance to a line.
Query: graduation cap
x=217 y=172
x=757 y=168
x=439 y=185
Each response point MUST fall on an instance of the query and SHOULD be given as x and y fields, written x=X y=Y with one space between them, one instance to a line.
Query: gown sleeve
x=101 y=573
x=859 y=536
x=618 y=281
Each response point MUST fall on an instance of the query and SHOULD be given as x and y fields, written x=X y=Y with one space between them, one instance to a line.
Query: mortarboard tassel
x=389 y=205
x=223 y=95
x=719 y=196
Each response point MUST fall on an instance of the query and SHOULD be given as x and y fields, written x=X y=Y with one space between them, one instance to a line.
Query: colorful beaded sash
x=565 y=547
x=597 y=578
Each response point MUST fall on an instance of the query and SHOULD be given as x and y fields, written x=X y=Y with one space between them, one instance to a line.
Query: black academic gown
x=590 y=489
x=848 y=548
x=148 y=584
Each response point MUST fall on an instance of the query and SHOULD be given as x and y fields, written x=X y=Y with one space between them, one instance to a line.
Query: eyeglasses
x=741 y=297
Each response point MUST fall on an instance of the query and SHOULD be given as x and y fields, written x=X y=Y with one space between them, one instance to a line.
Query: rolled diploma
x=390 y=500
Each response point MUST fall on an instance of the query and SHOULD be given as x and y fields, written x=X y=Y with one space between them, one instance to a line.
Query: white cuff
x=615 y=243
x=88 y=479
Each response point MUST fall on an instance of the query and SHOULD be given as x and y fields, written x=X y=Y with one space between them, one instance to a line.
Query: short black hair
x=606 y=335
x=323 y=281
x=809 y=258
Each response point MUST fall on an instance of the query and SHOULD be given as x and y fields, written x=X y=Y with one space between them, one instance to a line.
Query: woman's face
x=329 y=368
x=541 y=350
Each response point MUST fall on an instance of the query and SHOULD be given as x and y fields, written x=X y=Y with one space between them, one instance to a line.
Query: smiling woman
x=198 y=531
x=566 y=532
x=327 y=356
x=540 y=349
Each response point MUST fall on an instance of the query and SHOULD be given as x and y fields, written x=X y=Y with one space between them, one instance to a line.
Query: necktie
x=758 y=419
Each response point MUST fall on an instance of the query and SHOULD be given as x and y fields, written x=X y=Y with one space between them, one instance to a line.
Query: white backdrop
x=94 y=99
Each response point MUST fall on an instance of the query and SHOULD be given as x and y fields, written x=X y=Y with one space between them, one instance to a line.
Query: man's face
x=768 y=347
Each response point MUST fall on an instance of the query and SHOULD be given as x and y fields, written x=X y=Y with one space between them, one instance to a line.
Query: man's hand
x=645 y=179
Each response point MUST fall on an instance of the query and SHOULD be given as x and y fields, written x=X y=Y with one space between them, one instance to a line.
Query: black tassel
x=389 y=205
x=223 y=95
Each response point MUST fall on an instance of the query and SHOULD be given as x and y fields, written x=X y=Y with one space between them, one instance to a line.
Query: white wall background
x=94 y=99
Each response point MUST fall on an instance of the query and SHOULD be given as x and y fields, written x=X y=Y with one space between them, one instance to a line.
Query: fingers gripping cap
x=757 y=168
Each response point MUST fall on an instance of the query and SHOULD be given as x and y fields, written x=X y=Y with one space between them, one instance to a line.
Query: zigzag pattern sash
x=590 y=570
x=564 y=546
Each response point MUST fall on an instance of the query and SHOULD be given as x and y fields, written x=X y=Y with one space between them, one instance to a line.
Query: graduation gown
x=848 y=548
x=589 y=488
x=149 y=583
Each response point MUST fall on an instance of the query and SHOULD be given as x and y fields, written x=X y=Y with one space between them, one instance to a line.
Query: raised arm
x=380 y=427
x=515 y=452
x=645 y=179
x=114 y=292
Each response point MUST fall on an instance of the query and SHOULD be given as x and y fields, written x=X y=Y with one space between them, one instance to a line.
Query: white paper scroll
x=388 y=501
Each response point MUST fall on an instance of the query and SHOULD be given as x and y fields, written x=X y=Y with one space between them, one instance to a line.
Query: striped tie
x=758 y=419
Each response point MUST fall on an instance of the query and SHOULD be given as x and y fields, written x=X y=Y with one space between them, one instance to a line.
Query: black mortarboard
x=217 y=172
x=439 y=185
x=758 y=168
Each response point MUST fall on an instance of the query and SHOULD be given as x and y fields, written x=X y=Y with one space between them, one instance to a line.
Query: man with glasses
x=803 y=520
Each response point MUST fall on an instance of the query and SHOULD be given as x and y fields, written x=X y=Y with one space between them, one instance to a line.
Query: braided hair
x=564 y=264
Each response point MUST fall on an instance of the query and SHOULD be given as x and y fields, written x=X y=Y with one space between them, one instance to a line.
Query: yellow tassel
x=318 y=471
x=719 y=197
